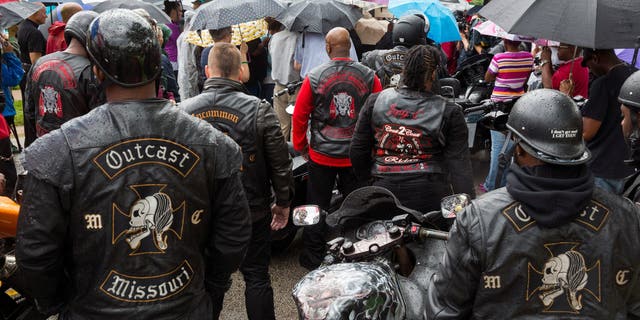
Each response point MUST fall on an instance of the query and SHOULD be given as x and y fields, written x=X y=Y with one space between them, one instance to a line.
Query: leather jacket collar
x=404 y=90
x=220 y=83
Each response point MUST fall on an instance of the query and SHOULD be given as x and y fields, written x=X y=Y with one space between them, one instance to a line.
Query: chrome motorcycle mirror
x=306 y=215
x=451 y=205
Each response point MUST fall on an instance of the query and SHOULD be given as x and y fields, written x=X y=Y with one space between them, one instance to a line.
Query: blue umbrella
x=400 y=8
x=444 y=27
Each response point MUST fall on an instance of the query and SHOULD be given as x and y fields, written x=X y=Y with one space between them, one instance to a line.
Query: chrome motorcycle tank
x=357 y=291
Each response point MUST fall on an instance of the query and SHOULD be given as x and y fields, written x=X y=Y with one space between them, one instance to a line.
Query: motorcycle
x=14 y=304
x=470 y=77
x=379 y=265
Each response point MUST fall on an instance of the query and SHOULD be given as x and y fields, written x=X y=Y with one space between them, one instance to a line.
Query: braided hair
x=420 y=63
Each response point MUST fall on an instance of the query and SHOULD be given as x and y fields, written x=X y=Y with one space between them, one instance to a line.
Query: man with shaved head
x=55 y=41
x=253 y=124
x=331 y=96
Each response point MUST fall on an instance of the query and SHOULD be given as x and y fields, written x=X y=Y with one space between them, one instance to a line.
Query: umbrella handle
x=635 y=52
x=575 y=52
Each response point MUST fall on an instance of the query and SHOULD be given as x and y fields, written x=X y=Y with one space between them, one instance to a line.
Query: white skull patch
x=564 y=274
x=50 y=102
x=343 y=102
x=151 y=215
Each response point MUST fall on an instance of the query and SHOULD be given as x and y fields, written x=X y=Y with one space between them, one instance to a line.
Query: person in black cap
x=630 y=99
x=548 y=245
x=410 y=30
x=136 y=209
x=601 y=117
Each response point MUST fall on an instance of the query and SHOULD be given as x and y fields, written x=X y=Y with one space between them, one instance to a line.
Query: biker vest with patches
x=585 y=269
x=340 y=88
x=139 y=176
x=227 y=106
x=387 y=64
x=408 y=135
x=59 y=88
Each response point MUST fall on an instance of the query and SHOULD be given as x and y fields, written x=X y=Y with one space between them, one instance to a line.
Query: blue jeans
x=611 y=185
x=497 y=141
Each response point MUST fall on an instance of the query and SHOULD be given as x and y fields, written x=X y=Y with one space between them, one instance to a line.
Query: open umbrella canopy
x=598 y=24
x=371 y=30
x=221 y=14
x=488 y=28
x=400 y=8
x=12 y=13
x=243 y=32
x=319 y=16
x=154 y=11
x=444 y=27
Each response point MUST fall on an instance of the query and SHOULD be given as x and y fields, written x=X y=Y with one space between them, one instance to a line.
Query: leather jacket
x=253 y=124
x=500 y=264
x=340 y=87
x=59 y=88
x=134 y=208
x=448 y=151
x=408 y=132
x=387 y=64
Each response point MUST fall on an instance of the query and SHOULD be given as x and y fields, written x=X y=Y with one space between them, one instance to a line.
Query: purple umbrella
x=627 y=55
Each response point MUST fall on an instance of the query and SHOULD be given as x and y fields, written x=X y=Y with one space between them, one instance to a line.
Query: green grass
x=19 y=118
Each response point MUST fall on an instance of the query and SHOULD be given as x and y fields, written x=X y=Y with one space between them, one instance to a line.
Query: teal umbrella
x=444 y=27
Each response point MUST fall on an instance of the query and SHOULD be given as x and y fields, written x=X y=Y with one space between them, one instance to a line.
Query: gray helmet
x=548 y=125
x=124 y=46
x=630 y=92
x=78 y=25
x=410 y=30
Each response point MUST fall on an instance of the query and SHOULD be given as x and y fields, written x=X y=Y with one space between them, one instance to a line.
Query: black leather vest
x=59 y=88
x=388 y=65
x=408 y=136
x=139 y=164
x=226 y=105
x=339 y=88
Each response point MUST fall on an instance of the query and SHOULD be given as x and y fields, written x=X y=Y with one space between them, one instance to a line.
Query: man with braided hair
x=418 y=140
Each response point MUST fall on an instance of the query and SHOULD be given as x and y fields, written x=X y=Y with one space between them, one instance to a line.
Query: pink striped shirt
x=512 y=69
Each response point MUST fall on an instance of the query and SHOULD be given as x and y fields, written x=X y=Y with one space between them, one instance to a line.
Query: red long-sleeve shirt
x=299 y=123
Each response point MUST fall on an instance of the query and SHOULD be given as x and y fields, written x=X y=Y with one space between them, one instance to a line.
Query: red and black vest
x=340 y=88
x=408 y=135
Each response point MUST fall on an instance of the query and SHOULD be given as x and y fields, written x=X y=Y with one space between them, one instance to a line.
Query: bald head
x=338 y=43
x=40 y=16
x=68 y=10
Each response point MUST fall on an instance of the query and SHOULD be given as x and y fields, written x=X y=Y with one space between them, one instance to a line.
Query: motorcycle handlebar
x=291 y=87
x=434 y=234
x=490 y=105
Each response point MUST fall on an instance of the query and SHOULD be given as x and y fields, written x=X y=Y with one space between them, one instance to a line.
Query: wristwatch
x=544 y=62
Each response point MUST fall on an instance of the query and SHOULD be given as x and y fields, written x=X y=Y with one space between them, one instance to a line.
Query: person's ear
x=98 y=73
x=327 y=47
x=207 y=72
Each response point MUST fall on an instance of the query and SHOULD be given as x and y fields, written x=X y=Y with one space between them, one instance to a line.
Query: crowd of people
x=157 y=167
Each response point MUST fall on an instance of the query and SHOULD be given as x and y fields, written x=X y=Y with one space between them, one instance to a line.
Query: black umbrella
x=598 y=24
x=319 y=16
x=155 y=12
x=12 y=13
x=220 y=14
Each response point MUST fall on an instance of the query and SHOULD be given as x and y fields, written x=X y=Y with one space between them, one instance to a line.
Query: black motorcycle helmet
x=410 y=30
x=123 y=45
x=630 y=92
x=548 y=125
x=78 y=25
